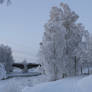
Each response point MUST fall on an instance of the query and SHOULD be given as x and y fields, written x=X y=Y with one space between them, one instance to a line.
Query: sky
x=22 y=24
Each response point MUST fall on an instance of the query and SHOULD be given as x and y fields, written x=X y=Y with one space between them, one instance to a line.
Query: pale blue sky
x=21 y=24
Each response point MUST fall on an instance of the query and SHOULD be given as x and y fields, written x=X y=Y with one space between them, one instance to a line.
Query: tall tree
x=61 y=41
x=53 y=44
x=74 y=35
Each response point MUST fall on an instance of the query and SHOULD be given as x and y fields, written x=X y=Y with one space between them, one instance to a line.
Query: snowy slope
x=76 y=84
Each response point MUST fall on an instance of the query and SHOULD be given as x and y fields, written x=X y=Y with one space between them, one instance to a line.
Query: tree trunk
x=81 y=70
x=88 y=68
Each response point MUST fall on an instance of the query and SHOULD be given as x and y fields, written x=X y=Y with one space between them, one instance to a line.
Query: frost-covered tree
x=6 y=1
x=25 y=70
x=74 y=35
x=81 y=52
x=61 y=42
x=73 y=38
x=6 y=57
x=87 y=58
x=53 y=44
x=2 y=72
x=90 y=49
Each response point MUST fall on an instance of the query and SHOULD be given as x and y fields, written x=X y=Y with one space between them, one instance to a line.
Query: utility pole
x=75 y=65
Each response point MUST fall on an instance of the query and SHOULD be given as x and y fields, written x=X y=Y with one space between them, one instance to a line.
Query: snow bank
x=17 y=70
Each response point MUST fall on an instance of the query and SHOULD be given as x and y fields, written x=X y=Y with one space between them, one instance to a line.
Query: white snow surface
x=75 y=84
x=85 y=85
x=34 y=84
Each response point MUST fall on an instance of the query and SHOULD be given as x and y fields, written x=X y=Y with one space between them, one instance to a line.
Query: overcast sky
x=21 y=24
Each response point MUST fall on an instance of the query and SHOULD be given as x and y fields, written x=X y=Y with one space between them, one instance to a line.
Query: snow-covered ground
x=74 y=84
x=18 y=83
x=34 y=84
